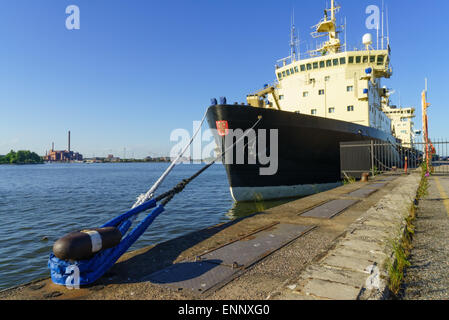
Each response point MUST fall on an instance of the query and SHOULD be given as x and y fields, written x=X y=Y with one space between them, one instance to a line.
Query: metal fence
x=377 y=157
x=440 y=157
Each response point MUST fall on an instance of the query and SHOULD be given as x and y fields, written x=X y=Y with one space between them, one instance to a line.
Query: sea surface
x=41 y=203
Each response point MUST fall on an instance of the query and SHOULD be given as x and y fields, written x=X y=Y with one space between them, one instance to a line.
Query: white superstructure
x=332 y=82
x=402 y=123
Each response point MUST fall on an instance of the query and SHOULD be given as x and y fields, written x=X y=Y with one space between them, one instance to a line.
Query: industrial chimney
x=69 y=142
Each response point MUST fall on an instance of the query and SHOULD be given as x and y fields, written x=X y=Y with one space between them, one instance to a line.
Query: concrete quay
x=355 y=268
x=335 y=254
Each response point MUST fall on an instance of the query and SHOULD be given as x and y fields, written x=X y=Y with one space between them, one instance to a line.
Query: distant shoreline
x=131 y=161
x=89 y=161
x=20 y=164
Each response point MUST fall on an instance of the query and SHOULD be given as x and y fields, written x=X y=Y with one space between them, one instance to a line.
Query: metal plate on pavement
x=375 y=185
x=221 y=265
x=253 y=248
x=361 y=193
x=194 y=276
x=390 y=178
x=329 y=209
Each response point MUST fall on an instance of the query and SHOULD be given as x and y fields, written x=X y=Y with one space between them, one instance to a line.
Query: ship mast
x=327 y=27
x=294 y=41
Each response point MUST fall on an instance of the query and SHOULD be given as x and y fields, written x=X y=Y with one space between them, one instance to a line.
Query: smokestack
x=52 y=146
x=69 y=141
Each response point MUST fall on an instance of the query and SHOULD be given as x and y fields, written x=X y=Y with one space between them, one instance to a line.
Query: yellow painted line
x=443 y=194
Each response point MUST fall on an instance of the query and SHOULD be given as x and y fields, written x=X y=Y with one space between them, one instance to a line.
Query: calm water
x=50 y=200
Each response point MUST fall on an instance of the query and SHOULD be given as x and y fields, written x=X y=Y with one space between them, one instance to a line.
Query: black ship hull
x=308 y=150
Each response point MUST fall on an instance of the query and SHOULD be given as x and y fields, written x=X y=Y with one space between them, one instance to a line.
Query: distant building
x=63 y=155
x=111 y=158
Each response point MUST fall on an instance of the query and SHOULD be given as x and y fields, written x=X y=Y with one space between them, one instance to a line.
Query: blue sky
x=138 y=69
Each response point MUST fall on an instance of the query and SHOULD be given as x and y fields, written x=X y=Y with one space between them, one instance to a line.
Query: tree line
x=21 y=157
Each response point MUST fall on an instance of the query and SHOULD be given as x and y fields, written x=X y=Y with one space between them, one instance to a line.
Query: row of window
x=332 y=110
x=400 y=111
x=331 y=63
x=321 y=91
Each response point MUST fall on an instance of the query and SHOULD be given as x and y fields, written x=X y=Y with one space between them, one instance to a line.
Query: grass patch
x=423 y=188
x=348 y=180
x=396 y=268
x=402 y=248
x=375 y=171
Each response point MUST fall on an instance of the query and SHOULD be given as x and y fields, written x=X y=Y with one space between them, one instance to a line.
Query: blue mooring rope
x=84 y=272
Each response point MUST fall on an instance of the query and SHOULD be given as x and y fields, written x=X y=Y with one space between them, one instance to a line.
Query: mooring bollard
x=365 y=176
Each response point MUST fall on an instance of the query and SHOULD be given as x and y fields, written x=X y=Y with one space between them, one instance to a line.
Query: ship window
x=315 y=65
x=283 y=73
x=326 y=78
x=335 y=62
x=365 y=59
x=312 y=80
x=309 y=66
x=321 y=64
x=331 y=110
x=342 y=60
x=358 y=59
x=288 y=72
x=328 y=63
x=372 y=59
x=303 y=67
x=313 y=111
x=351 y=60
x=349 y=88
x=305 y=94
x=350 y=108
x=281 y=97
x=279 y=75
x=296 y=69
x=321 y=92
x=291 y=71
x=380 y=60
